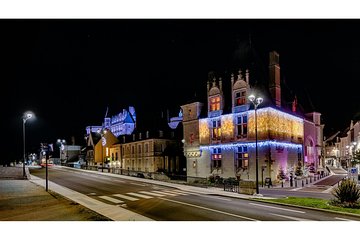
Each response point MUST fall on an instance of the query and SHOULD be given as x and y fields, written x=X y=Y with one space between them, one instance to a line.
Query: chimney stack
x=274 y=81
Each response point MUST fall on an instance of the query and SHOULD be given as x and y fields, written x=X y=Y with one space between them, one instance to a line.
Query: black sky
x=69 y=71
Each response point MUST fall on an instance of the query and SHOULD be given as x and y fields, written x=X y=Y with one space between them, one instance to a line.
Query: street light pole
x=27 y=116
x=103 y=143
x=256 y=101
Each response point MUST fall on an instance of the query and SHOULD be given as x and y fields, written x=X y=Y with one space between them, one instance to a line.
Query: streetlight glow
x=27 y=115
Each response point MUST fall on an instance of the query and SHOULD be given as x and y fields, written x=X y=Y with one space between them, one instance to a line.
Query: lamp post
x=256 y=101
x=61 y=143
x=103 y=143
x=26 y=116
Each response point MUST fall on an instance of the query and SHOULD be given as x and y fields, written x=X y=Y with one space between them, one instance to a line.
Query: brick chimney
x=274 y=81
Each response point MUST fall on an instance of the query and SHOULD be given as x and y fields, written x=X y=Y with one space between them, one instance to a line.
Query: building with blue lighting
x=122 y=123
x=220 y=138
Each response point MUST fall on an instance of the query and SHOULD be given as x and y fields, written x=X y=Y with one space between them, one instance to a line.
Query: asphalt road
x=169 y=204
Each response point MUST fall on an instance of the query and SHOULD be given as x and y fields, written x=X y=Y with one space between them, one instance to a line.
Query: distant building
x=155 y=150
x=122 y=123
x=348 y=143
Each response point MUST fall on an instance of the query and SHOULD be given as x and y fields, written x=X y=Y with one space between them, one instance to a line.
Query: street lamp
x=103 y=143
x=26 y=116
x=256 y=101
x=61 y=143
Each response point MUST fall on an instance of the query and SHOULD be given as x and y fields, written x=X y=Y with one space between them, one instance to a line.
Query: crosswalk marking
x=110 y=199
x=180 y=191
x=166 y=193
x=142 y=194
x=176 y=192
x=152 y=194
x=125 y=197
x=139 y=195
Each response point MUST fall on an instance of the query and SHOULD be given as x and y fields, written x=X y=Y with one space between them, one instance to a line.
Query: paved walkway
x=22 y=200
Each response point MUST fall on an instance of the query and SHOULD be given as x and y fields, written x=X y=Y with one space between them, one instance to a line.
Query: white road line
x=291 y=218
x=180 y=191
x=284 y=209
x=220 y=198
x=125 y=197
x=152 y=194
x=139 y=195
x=162 y=192
x=110 y=199
x=343 y=219
x=139 y=184
x=177 y=193
x=209 y=209
x=120 y=181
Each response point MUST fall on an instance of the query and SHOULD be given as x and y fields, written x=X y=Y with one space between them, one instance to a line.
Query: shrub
x=347 y=194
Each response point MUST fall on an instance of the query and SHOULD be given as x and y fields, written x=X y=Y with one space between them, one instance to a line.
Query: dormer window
x=240 y=98
x=214 y=103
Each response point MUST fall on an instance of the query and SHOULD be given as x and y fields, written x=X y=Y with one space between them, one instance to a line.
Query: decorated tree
x=298 y=170
x=281 y=175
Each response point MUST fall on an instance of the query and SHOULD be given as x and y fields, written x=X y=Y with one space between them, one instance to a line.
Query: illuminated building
x=122 y=123
x=147 y=151
x=219 y=142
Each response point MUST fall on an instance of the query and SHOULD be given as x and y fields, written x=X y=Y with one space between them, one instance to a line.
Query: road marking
x=139 y=195
x=220 y=198
x=163 y=192
x=174 y=192
x=120 y=181
x=209 y=209
x=125 y=197
x=290 y=210
x=110 y=199
x=343 y=219
x=152 y=194
x=180 y=191
x=139 y=184
x=291 y=218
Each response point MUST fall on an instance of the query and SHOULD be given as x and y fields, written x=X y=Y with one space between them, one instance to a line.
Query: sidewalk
x=22 y=200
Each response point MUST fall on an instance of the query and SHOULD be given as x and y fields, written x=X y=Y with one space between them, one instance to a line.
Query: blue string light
x=234 y=146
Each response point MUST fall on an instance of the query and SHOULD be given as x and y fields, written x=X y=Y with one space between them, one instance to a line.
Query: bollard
x=310 y=180
x=282 y=184
x=295 y=183
x=302 y=183
x=306 y=181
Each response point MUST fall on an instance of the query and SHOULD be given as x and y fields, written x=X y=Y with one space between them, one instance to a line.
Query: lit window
x=242 y=126
x=215 y=103
x=240 y=98
x=216 y=158
x=216 y=129
x=242 y=158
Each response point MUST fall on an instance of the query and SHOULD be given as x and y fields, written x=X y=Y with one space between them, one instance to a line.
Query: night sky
x=69 y=71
